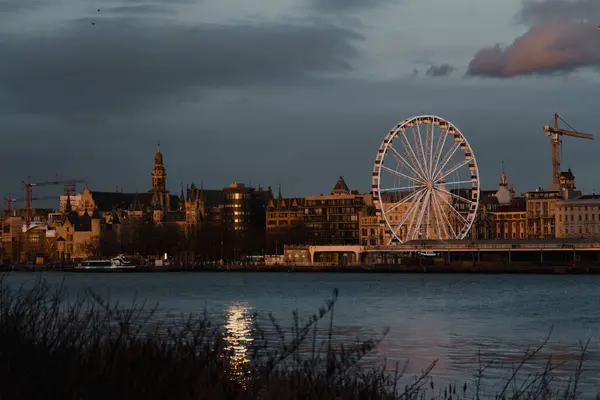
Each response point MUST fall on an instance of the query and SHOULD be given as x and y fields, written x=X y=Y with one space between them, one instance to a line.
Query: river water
x=430 y=317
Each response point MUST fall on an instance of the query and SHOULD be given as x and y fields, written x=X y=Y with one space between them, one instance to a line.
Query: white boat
x=118 y=262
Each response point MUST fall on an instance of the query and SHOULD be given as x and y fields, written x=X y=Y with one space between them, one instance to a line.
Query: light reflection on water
x=237 y=333
x=445 y=317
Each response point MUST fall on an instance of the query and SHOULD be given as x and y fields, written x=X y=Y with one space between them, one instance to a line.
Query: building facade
x=198 y=204
x=335 y=218
x=578 y=218
x=244 y=208
x=541 y=207
x=482 y=228
x=241 y=220
x=371 y=232
x=285 y=223
x=509 y=222
x=79 y=236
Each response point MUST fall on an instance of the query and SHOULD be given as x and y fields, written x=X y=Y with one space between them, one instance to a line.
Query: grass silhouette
x=88 y=348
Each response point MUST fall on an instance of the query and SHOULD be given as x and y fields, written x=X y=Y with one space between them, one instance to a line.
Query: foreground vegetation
x=87 y=348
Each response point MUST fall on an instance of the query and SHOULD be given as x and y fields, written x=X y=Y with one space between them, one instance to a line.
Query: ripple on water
x=446 y=317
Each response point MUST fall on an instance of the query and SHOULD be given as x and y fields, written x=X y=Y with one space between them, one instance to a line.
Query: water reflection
x=238 y=327
x=450 y=317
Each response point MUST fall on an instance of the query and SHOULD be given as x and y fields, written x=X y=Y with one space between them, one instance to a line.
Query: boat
x=116 y=263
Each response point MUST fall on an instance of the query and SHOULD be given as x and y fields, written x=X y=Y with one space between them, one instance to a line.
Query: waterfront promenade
x=494 y=256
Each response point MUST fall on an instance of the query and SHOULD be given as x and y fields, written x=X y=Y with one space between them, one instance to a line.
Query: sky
x=288 y=92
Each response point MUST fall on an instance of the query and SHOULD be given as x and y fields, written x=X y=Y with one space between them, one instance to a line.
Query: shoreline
x=407 y=269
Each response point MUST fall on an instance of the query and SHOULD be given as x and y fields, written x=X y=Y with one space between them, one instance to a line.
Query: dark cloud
x=19 y=5
x=561 y=38
x=266 y=134
x=439 y=70
x=141 y=7
x=346 y=5
x=537 y=12
x=137 y=9
x=121 y=64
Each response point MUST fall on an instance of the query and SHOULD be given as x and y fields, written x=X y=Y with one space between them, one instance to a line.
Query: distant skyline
x=290 y=92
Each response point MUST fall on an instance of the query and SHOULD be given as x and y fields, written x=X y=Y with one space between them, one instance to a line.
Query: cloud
x=560 y=39
x=121 y=64
x=545 y=48
x=346 y=5
x=19 y=5
x=537 y=12
x=439 y=70
x=137 y=9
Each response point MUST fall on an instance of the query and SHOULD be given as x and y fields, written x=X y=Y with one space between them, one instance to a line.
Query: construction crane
x=9 y=200
x=28 y=187
x=556 y=133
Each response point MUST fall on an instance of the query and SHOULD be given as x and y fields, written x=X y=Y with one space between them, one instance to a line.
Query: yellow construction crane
x=556 y=133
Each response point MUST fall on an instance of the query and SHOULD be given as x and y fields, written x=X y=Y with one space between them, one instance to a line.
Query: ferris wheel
x=425 y=181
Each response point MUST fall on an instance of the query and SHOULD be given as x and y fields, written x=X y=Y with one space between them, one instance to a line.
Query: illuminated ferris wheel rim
x=432 y=207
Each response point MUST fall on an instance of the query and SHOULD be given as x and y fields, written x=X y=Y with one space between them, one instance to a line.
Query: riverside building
x=334 y=219
x=578 y=218
x=541 y=207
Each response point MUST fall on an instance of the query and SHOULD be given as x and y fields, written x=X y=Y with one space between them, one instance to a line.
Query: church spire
x=181 y=199
x=503 y=177
x=503 y=195
x=68 y=207
x=158 y=158
x=159 y=173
